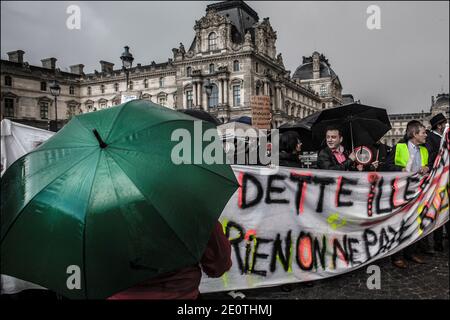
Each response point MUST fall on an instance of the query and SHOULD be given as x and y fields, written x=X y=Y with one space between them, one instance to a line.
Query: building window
x=323 y=90
x=189 y=103
x=102 y=88
x=72 y=90
x=188 y=71
x=131 y=85
x=162 y=101
x=323 y=105
x=71 y=110
x=213 y=100
x=89 y=91
x=161 y=82
x=8 y=81
x=236 y=66
x=44 y=110
x=116 y=87
x=236 y=95
x=257 y=90
x=43 y=86
x=257 y=67
x=211 y=68
x=9 y=107
x=212 y=41
x=145 y=83
x=103 y=105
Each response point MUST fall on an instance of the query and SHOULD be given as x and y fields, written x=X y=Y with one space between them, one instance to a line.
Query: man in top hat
x=433 y=144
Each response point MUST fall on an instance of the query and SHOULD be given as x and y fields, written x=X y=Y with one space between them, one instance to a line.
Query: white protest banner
x=301 y=225
x=126 y=98
x=17 y=140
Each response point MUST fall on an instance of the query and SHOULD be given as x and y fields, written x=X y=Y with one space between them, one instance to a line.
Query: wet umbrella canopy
x=360 y=124
x=103 y=196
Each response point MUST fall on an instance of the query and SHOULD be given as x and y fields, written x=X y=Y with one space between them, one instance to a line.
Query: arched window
x=323 y=90
x=102 y=88
x=211 y=68
x=8 y=81
x=212 y=41
x=161 y=82
x=213 y=100
x=44 y=110
x=188 y=71
x=236 y=95
x=9 y=107
x=145 y=83
x=236 y=66
x=323 y=105
x=189 y=100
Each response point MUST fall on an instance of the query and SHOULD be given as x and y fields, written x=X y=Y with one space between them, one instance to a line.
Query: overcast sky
x=398 y=67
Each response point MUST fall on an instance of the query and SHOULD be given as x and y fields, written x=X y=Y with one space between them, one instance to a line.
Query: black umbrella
x=360 y=124
x=202 y=115
x=303 y=128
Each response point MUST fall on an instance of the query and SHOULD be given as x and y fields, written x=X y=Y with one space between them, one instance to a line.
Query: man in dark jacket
x=334 y=157
x=433 y=144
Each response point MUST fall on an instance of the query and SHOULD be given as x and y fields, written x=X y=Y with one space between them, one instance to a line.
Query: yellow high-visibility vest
x=402 y=155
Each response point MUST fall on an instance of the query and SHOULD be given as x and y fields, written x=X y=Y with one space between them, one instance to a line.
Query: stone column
x=194 y=94
x=199 y=95
x=226 y=92
x=220 y=87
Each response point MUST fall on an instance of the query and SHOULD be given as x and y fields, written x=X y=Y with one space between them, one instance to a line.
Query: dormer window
x=212 y=41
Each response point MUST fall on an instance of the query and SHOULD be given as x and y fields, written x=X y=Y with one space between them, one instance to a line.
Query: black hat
x=439 y=118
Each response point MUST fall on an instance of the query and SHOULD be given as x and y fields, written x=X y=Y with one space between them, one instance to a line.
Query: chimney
x=16 y=56
x=77 y=69
x=316 y=65
x=432 y=100
x=49 y=63
x=107 y=67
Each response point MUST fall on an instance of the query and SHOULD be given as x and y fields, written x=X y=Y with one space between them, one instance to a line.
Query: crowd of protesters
x=416 y=153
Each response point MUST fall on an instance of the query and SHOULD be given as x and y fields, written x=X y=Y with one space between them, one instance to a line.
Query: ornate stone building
x=316 y=73
x=233 y=54
x=439 y=104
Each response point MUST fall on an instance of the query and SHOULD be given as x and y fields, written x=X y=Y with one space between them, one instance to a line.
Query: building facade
x=439 y=104
x=232 y=57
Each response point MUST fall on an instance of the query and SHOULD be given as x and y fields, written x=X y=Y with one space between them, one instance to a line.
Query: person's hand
x=375 y=164
x=360 y=167
x=424 y=170
x=352 y=156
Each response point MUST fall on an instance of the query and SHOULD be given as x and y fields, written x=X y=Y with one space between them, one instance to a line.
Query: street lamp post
x=55 y=90
x=127 y=62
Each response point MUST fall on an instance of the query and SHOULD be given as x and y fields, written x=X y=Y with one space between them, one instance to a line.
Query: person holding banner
x=410 y=156
x=433 y=144
x=334 y=157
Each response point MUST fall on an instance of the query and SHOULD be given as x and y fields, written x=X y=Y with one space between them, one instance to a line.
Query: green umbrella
x=103 y=197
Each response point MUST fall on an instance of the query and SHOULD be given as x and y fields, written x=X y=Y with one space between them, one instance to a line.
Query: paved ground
x=428 y=281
